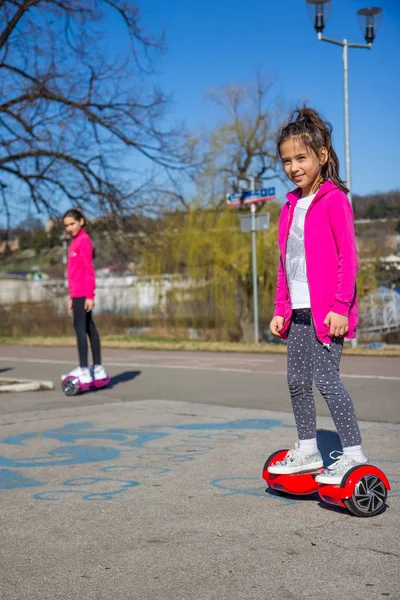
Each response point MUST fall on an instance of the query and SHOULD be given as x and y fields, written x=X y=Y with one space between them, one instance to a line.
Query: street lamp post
x=369 y=19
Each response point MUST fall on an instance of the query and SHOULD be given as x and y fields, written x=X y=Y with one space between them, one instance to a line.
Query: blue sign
x=259 y=195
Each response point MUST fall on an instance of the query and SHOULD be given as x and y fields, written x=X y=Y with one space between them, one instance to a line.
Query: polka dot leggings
x=308 y=359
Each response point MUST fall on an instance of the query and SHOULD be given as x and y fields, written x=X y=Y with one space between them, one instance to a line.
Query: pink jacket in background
x=81 y=276
x=331 y=259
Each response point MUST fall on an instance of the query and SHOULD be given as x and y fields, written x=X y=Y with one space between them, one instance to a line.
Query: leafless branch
x=73 y=116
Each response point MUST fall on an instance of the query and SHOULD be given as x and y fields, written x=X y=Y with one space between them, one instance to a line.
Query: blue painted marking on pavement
x=221 y=437
x=74 y=432
x=124 y=444
x=199 y=449
x=240 y=485
x=74 y=455
x=264 y=424
x=11 y=480
x=143 y=438
x=18 y=440
x=139 y=470
x=84 y=494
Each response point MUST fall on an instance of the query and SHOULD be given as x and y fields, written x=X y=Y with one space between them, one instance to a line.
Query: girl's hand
x=339 y=324
x=276 y=326
x=70 y=305
x=89 y=305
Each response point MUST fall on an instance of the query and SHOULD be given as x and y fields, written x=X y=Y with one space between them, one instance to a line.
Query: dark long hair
x=76 y=214
x=315 y=133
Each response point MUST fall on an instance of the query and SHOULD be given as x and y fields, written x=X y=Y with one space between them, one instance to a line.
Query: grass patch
x=143 y=343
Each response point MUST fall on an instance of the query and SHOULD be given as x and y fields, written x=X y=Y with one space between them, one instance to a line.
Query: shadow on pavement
x=6 y=369
x=344 y=511
x=123 y=378
x=299 y=498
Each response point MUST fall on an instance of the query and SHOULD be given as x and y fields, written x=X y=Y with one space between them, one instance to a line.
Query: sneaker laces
x=340 y=457
x=294 y=453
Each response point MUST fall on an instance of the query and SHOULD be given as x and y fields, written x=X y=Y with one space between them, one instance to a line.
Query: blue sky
x=213 y=43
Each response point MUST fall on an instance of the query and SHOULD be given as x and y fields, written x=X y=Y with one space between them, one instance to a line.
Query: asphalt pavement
x=152 y=488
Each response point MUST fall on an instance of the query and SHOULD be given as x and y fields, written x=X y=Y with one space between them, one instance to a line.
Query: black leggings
x=84 y=325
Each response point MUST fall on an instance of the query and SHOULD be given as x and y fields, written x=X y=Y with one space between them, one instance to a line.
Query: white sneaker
x=297 y=461
x=83 y=374
x=99 y=372
x=336 y=471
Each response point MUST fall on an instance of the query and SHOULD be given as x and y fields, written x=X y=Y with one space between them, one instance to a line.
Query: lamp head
x=319 y=12
x=370 y=20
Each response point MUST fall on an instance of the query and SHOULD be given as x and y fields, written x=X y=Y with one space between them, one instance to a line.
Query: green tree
x=40 y=241
x=204 y=241
x=366 y=278
x=25 y=240
x=208 y=247
x=54 y=236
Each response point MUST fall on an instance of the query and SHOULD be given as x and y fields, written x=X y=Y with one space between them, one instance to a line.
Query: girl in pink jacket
x=82 y=285
x=316 y=296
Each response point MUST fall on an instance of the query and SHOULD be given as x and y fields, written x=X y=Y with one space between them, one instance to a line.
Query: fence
x=113 y=294
x=173 y=299
x=380 y=312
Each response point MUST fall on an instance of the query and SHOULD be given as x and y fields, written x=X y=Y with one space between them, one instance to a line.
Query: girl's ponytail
x=331 y=171
x=306 y=124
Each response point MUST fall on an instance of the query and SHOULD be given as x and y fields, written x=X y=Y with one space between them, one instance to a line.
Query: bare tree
x=74 y=109
x=242 y=144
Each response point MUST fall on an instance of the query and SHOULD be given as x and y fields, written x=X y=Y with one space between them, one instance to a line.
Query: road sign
x=251 y=196
x=261 y=223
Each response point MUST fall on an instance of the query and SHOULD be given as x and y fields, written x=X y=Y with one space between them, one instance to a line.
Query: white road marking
x=189 y=367
x=349 y=376
x=131 y=364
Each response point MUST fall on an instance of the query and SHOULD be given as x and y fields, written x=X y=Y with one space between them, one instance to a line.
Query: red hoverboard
x=363 y=490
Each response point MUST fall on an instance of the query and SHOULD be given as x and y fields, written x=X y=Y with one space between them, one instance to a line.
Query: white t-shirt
x=295 y=256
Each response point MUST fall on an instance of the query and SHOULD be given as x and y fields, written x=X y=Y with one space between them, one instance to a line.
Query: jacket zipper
x=325 y=345
x=289 y=223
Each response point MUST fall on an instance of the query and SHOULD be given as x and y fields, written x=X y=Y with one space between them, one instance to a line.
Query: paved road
x=152 y=489
x=241 y=380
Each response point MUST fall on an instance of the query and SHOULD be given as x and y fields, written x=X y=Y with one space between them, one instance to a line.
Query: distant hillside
x=377 y=206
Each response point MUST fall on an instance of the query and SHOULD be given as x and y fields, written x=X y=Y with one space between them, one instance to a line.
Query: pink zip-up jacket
x=81 y=275
x=331 y=259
